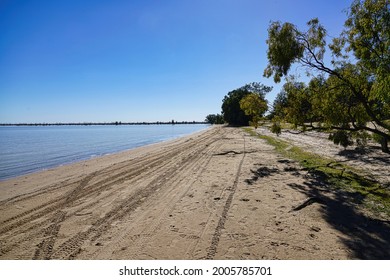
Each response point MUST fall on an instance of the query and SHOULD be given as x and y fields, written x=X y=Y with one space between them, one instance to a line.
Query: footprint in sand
x=316 y=229
x=312 y=235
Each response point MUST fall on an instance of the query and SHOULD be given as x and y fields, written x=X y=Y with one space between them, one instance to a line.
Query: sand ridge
x=218 y=194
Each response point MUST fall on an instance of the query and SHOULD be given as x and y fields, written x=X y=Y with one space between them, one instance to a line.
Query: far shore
x=173 y=122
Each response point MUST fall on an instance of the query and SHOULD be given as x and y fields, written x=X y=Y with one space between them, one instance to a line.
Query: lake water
x=27 y=149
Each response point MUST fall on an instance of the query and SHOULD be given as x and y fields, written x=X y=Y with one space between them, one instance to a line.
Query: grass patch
x=360 y=189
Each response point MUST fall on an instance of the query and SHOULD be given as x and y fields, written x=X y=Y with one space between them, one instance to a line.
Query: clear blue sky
x=109 y=60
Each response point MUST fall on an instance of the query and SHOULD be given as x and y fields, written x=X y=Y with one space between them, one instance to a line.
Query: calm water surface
x=29 y=149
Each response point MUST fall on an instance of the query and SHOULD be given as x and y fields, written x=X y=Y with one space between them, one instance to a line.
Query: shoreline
x=88 y=156
x=100 y=161
x=214 y=194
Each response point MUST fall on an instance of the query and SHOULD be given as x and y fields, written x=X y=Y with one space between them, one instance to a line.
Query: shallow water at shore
x=25 y=150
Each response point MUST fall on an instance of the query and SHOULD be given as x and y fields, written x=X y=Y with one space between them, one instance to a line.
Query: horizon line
x=102 y=123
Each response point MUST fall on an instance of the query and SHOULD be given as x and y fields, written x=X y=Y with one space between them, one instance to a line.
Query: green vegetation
x=214 y=119
x=337 y=175
x=232 y=112
x=254 y=106
x=351 y=96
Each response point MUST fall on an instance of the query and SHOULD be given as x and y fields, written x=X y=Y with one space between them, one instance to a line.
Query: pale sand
x=217 y=194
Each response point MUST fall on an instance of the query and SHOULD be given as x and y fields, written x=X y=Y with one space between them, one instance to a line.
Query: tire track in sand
x=212 y=250
x=73 y=246
x=111 y=177
x=178 y=185
x=50 y=232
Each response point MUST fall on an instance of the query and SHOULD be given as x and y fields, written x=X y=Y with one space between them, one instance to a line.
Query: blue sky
x=117 y=60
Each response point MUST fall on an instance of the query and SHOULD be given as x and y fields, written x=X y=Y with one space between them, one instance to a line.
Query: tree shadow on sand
x=367 y=238
x=260 y=172
x=367 y=155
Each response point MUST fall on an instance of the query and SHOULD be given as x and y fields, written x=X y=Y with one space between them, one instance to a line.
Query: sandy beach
x=216 y=194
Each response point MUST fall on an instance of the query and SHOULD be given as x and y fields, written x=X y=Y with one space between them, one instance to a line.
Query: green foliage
x=283 y=49
x=347 y=96
x=232 y=113
x=254 y=106
x=257 y=88
x=214 y=119
x=341 y=137
x=299 y=107
x=231 y=109
x=276 y=128
x=287 y=45
x=368 y=34
x=279 y=106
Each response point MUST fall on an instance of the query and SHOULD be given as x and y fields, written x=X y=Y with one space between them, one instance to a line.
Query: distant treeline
x=101 y=123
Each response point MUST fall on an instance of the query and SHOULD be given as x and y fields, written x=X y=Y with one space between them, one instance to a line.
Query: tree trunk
x=384 y=145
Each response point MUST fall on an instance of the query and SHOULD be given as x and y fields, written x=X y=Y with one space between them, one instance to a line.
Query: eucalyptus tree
x=254 y=105
x=232 y=111
x=351 y=93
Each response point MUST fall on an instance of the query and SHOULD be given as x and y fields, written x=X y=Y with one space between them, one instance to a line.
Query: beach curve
x=215 y=194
